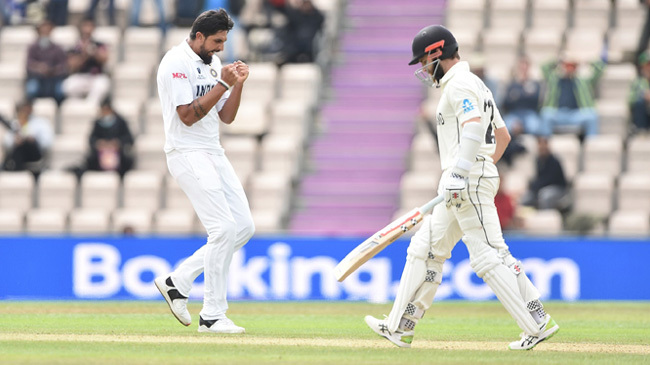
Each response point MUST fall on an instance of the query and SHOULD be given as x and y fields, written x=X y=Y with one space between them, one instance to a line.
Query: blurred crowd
x=563 y=101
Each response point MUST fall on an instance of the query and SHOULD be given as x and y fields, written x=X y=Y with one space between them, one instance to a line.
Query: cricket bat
x=378 y=241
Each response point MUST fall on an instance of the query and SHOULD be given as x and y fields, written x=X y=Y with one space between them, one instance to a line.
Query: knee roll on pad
x=418 y=249
x=484 y=260
x=528 y=291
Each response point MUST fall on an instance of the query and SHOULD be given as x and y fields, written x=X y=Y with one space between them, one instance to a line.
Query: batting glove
x=455 y=190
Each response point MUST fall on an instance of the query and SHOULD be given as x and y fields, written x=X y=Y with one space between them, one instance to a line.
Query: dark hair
x=210 y=22
x=107 y=102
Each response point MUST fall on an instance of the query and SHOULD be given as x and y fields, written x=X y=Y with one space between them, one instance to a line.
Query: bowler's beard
x=205 y=57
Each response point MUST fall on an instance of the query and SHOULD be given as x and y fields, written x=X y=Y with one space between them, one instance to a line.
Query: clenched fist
x=242 y=71
x=229 y=74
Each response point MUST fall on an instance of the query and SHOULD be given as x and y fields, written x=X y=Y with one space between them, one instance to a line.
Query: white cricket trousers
x=477 y=218
x=218 y=198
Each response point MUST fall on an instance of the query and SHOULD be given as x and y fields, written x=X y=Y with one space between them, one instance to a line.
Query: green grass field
x=315 y=333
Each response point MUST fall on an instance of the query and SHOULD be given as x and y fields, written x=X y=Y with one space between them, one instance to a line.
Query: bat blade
x=378 y=241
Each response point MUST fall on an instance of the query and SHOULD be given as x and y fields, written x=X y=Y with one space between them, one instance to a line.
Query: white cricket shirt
x=183 y=77
x=464 y=96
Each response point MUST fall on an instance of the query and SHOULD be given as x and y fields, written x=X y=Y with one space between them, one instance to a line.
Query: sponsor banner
x=294 y=268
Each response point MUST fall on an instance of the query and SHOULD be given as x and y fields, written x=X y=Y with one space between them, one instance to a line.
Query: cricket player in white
x=472 y=138
x=197 y=94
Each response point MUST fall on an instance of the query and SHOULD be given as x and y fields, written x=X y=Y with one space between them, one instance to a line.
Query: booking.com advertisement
x=302 y=269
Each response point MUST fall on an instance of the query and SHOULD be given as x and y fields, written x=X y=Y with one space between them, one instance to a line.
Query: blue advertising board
x=295 y=268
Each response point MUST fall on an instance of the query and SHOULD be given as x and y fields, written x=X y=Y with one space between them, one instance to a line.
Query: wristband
x=223 y=83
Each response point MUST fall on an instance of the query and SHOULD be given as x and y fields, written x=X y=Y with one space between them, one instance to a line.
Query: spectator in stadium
x=46 y=66
x=506 y=207
x=521 y=100
x=110 y=142
x=90 y=13
x=237 y=36
x=569 y=99
x=639 y=96
x=304 y=23
x=644 y=37
x=57 y=12
x=516 y=147
x=135 y=14
x=548 y=189
x=28 y=140
x=86 y=62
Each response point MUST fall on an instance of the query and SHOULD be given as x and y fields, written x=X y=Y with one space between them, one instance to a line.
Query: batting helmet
x=435 y=41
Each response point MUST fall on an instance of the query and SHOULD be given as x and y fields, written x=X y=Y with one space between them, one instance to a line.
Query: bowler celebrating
x=196 y=94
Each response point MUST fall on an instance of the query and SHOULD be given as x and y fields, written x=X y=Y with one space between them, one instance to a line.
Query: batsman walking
x=472 y=137
x=197 y=94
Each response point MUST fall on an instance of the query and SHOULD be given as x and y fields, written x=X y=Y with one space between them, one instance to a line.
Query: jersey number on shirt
x=489 y=137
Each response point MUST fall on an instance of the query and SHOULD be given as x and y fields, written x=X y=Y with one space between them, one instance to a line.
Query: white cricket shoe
x=398 y=337
x=527 y=342
x=223 y=325
x=176 y=301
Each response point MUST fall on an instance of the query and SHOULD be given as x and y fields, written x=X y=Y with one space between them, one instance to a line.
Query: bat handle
x=426 y=208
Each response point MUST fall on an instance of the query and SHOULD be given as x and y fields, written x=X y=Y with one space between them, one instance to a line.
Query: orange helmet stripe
x=435 y=47
x=440 y=44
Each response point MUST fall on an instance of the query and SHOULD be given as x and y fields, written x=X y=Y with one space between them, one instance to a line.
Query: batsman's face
x=430 y=73
x=211 y=44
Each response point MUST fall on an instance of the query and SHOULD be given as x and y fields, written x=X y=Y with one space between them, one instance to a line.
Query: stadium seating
x=77 y=116
x=16 y=190
x=99 y=190
x=638 y=151
x=68 y=151
x=57 y=189
x=88 y=222
x=131 y=110
x=465 y=13
x=252 y=120
x=549 y=14
x=543 y=223
x=50 y=221
x=630 y=15
x=174 y=221
x=604 y=154
x=11 y=221
x=566 y=147
x=137 y=219
x=14 y=42
x=593 y=194
x=634 y=191
x=242 y=152
x=12 y=76
x=629 y=223
x=508 y=14
x=142 y=45
x=280 y=114
x=65 y=36
x=142 y=189
x=591 y=14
